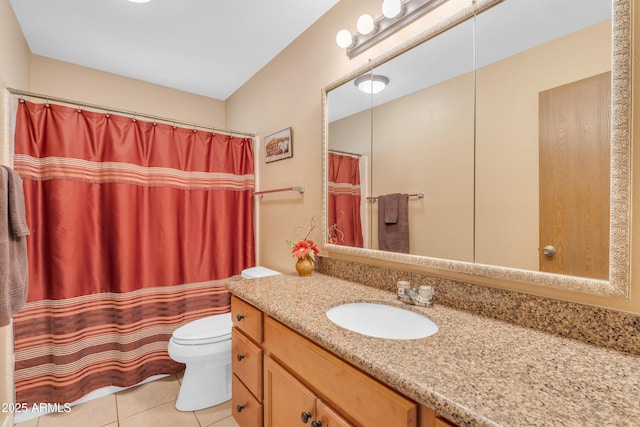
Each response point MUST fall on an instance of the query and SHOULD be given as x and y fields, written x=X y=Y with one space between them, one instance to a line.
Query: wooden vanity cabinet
x=351 y=393
x=281 y=378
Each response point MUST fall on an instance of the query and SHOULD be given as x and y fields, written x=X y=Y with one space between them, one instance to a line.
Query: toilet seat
x=207 y=330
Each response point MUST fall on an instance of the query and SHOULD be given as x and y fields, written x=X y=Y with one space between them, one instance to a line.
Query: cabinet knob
x=316 y=424
x=305 y=417
x=240 y=317
x=240 y=408
x=240 y=357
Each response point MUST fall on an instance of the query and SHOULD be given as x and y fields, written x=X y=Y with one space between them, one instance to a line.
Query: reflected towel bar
x=418 y=195
x=299 y=189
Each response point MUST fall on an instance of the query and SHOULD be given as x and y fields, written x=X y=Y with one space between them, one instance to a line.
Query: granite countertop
x=475 y=371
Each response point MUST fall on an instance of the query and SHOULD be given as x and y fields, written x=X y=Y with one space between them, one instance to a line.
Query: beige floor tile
x=147 y=396
x=94 y=413
x=227 y=422
x=216 y=413
x=161 y=416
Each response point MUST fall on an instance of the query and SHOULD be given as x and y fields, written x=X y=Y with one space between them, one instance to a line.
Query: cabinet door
x=327 y=417
x=286 y=401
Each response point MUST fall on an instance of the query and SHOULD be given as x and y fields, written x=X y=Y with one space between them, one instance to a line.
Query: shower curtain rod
x=19 y=92
x=345 y=152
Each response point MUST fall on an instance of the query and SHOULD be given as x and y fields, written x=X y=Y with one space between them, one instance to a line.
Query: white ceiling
x=206 y=47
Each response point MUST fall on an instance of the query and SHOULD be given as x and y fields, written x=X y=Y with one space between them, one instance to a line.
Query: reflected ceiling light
x=391 y=8
x=344 y=38
x=371 y=83
x=365 y=24
x=396 y=14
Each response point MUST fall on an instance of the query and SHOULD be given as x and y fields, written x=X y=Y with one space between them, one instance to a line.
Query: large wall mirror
x=500 y=147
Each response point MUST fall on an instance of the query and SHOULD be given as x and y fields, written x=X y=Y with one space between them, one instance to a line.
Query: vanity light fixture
x=371 y=83
x=396 y=14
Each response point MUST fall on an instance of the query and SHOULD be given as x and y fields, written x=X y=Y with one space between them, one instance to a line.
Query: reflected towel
x=391 y=208
x=394 y=237
x=13 y=245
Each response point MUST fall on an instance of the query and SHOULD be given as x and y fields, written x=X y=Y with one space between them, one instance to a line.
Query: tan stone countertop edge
x=475 y=371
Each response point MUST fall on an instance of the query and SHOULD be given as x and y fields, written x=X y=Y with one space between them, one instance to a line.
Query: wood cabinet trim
x=333 y=380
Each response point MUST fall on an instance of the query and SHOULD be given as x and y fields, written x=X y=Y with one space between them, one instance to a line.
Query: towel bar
x=418 y=195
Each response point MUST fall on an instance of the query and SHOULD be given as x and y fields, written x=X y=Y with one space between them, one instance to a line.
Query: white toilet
x=204 y=346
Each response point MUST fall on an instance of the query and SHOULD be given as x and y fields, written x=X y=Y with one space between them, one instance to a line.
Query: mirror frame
x=620 y=206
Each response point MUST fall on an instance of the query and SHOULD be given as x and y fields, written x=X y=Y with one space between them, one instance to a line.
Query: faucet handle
x=426 y=292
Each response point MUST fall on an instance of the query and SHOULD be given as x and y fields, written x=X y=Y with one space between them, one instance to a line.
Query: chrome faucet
x=421 y=296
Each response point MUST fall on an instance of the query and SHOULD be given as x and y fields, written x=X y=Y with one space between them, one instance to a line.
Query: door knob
x=549 y=251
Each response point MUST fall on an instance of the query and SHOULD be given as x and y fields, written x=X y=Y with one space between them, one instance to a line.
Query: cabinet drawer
x=247 y=318
x=247 y=411
x=246 y=362
x=354 y=394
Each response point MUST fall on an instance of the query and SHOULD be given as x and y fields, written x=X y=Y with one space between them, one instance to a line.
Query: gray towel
x=391 y=208
x=394 y=237
x=13 y=245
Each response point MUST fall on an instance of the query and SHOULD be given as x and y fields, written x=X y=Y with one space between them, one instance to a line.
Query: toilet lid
x=204 y=331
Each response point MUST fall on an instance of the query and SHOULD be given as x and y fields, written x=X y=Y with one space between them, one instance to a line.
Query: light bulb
x=365 y=24
x=391 y=8
x=343 y=39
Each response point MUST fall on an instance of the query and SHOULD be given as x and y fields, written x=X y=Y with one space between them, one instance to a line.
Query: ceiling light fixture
x=139 y=1
x=371 y=83
x=396 y=14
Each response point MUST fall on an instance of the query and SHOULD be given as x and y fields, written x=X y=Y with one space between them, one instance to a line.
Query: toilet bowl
x=204 y=346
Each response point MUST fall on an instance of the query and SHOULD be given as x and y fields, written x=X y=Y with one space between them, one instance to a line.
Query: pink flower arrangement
x=305 y=247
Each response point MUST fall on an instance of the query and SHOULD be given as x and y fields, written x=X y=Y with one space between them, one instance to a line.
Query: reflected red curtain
x=134 y=227
x=344 y=198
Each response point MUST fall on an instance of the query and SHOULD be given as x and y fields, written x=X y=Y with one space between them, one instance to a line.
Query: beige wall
x=415 y=151
x=14 y=71
x=69 y=81
x=287 y=93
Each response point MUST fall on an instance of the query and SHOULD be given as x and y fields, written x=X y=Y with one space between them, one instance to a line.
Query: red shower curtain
x=345 y=225
x=135 y=227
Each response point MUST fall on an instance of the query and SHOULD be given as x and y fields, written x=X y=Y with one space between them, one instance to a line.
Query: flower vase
x=304 y=266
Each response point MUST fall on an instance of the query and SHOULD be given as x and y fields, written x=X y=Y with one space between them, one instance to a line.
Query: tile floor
x=148 y=405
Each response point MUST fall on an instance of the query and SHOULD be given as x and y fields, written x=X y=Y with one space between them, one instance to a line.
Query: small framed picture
x=278 y=145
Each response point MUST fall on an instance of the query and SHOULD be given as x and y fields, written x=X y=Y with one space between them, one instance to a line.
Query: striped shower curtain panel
x=135 y=229
x=343 y=200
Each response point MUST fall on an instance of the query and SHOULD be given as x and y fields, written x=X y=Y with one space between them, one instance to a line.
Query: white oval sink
x=382 y=321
